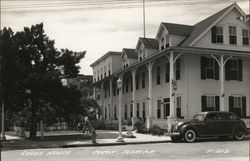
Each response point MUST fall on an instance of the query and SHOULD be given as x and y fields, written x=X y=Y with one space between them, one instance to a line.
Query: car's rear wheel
x=190 y=136
x=239 y=134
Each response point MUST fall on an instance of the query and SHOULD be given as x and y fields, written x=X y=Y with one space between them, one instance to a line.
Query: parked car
x=209 y=124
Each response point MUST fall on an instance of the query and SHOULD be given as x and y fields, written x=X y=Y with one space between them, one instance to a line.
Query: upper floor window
x=105 y=70
x=158 y=75
x=217 y=34
x=137 y=81
x=233 y=69
x=143 y=80
x=245 y=36
x=232 y=35
x=162 y=42
x=109 y=68
x=167 y=73
x=209 y=68
x=126 y=83
x=140 y=55
x=178 y=69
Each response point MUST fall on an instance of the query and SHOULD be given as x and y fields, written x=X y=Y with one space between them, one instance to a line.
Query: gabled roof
x=178 y=29
x=148 y=43
x=130 y=53
x=204 y=25
x=105 y=56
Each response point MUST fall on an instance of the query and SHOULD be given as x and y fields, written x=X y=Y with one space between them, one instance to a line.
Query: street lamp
x=119 y=86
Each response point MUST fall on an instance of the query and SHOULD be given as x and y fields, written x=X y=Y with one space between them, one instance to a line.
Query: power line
x=108 y=4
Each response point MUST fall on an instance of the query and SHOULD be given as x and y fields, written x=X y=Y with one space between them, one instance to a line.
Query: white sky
x=101 y=29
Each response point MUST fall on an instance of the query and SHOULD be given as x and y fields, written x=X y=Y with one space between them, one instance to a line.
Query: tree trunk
x=34 y=110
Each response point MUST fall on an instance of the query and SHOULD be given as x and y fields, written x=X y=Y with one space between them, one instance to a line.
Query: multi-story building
x=182 y=71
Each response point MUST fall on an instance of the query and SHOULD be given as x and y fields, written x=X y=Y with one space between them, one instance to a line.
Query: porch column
x=111 y=97
x=102 y=98
x=133 y=72
x=171 y=117
x=222 y=89
x=150 y=108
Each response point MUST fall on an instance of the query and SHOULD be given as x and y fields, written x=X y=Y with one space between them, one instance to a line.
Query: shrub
x=156 y=130
x=129 y=122
x=99 y=125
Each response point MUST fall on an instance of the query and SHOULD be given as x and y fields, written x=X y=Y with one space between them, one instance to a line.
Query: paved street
x=202 y=151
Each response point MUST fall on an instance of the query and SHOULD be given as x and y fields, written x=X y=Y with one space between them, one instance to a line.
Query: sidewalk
x=139 y=139
x=66 y=139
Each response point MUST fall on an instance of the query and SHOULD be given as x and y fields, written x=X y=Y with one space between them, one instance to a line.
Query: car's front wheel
x=239 y=134
x=190 y=136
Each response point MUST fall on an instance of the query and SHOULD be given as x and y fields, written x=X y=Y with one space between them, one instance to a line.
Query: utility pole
x=144 y=28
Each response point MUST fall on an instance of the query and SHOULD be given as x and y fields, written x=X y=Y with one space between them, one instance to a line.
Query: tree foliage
x=31 y=74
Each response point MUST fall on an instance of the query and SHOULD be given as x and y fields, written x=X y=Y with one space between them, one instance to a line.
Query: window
x=131 y=110
x=131 y=85
x=162 y=42
x=109 y=67
x=114 y=89
x=143 y=111
x=245 y=36
x=137 y=81
x=166 y=107
x=105 y=70
x=158 y=109
x=209 y=68
x=138 y=110
x=210 y=103
x=167 y=73
x=232 y=35
x=126 y=82
x=178 y=69
x=105 y=112
x=237 y=104
x=158 y=75
x=125 y=113
x=101 y=72
x=178 y=107
x=143 y=80
x=105 y=92
x=211 y=116
x=115 y=113
x=234 y=69
x=217 y=34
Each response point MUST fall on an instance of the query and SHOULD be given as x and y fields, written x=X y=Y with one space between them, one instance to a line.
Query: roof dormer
x=129 y=56
x=146 y=47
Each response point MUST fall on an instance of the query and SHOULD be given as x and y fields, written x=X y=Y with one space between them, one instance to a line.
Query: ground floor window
x=131 y=110
x=166 y=107
x=210 y=103
x=237 y=104
x=158 y=109
x=115 y=113
x=105 y=112
x=138 y=110
x=143 y=111
x=125 y=113
x=178 y=107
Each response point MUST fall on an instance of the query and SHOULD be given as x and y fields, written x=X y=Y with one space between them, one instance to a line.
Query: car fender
x=239 y=125
x=186 y=126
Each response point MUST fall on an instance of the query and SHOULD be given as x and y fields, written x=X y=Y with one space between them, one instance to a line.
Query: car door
x=224 y=124
x=211 y=124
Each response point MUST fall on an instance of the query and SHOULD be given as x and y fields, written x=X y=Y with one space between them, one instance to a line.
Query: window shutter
x=231 y=103
x=243 y=106
x=178 y=69
x=217 y=103
x=213 y=34
x=240 y=70
x=203 y=66
x=228 y=66
x=203 y=103
x=216 y=70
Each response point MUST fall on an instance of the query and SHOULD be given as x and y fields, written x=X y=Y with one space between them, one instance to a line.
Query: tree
x=40 y=68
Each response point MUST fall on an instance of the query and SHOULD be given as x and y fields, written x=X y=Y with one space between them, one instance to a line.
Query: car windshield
x=199 y=117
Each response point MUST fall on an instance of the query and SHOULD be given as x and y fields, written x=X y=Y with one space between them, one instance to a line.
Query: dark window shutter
x=216 y=70
x=217 y=103
x=244 y=106
x=240 y=69
x=203 y=66
x=228 y=66
x=178 y=69
x=231 y=104
x=203 y=103
x=213 y=34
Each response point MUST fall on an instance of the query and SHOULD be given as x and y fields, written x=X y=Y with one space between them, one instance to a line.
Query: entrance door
x=166 y=108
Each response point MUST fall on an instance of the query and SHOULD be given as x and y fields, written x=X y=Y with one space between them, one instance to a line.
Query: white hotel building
x=182 y=71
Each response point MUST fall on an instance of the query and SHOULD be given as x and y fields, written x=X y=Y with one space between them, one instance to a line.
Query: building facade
x=182 y=71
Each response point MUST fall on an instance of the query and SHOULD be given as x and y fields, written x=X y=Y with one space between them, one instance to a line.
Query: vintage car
x=209 y=124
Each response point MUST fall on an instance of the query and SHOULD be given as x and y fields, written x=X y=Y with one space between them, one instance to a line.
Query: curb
x=113 y=144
